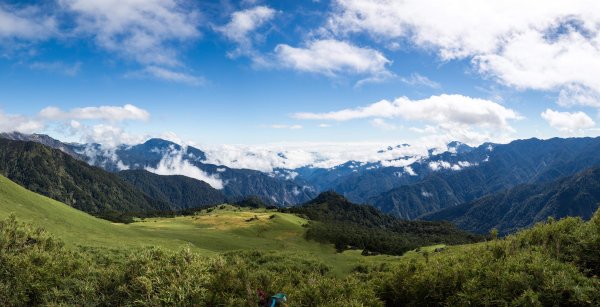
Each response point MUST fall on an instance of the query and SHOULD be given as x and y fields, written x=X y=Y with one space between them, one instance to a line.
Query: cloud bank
x=442 y=109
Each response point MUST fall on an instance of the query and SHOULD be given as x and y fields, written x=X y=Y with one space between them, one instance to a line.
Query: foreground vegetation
x=552 y=264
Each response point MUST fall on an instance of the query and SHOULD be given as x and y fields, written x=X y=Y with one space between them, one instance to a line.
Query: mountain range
x=503 y=186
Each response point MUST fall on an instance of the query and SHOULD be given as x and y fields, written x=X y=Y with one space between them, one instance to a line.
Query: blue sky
x=298 y=72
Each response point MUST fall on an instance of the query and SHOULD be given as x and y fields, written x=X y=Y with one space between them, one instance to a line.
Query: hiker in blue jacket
x=278 y=299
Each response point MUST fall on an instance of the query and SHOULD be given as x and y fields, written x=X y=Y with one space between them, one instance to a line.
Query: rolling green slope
x=210 y=232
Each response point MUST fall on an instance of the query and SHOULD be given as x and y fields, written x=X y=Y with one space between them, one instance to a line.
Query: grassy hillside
x=212 y=231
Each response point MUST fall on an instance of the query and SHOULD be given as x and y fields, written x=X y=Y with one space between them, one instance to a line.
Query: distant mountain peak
x=157 y=142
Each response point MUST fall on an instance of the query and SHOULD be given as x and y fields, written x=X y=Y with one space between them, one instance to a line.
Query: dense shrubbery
x=552 y=264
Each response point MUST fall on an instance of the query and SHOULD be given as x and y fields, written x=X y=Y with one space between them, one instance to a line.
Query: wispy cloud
x=60 y=67
x=290 y=127
x=170 y=75
x=382 y=124
x=143 y=31
x=416 y=79
x=29 y=22
x=332 y=58
x=107 y=113
x=241 y=27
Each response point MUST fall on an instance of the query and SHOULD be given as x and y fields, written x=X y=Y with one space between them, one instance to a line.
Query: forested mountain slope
x=519 y=162
x=181 y=191
x=524 y=205
x=53 y=173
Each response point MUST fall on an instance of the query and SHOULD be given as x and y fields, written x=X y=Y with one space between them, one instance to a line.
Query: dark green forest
x=181 y=191
x=336 y=220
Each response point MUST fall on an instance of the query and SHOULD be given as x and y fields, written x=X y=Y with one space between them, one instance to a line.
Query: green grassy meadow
x=223 y=229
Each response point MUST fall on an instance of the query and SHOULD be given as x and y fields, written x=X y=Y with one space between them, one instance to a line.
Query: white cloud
x=326 y=155
x=107 y=113
x=109 y=136
x=173 y=163
x=409 y=170
x=242 y=24
x=572 y=95
x=25 y=23
x=323 y=125
x=332 y=58
x=439 y=165
x=568 y=122
x=525 y=44
x=382 y=124
x=23 y=124
x=442 y=110
x=140 y=30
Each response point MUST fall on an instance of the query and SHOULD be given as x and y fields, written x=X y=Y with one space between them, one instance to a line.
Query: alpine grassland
x=52 y=254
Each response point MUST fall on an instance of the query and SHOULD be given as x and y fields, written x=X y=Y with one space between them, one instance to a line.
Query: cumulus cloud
x=25 y=23
x=19 y=123
x=140 y=30
x=569 y=122
x=443 y=109
x=173 y=163
x=332 y=57
x=107 y=113
x=528 y=45
x=242 y=24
